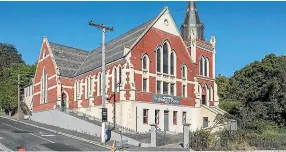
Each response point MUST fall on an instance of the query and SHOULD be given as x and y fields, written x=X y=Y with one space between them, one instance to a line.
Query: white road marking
x=46 y=135
x=41 y=137
x=30 y=133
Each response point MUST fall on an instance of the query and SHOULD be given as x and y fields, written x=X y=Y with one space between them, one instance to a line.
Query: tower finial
x=192 y=20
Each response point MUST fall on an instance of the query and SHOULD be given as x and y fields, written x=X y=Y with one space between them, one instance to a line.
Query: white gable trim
x=152 y=24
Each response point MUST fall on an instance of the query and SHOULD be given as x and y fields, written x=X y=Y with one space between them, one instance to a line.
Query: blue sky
x=245 y=31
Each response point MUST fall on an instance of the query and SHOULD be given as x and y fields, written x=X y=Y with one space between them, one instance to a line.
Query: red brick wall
x=207 y=54
x=98 y=99
x=148 y=44
x=66 y=84
x=51 y=71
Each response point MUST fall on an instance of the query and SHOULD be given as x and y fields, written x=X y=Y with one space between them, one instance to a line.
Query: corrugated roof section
x=114 y=49
x=68 y=59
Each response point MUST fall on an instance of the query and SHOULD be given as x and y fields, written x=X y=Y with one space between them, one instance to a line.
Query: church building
x=156 y=73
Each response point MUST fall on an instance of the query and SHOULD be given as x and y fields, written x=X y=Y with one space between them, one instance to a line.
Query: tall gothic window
x=210 y=93
x=87 y=87
x=144 y=62
x=184 y=71
x=206 y=67
x=158 y=60
x=165 y=58
x=44 y=86
x=119 y=73
x=99 y=84
x=202 y=66
x=172 y=63
x=90 y=86
x=115 y=79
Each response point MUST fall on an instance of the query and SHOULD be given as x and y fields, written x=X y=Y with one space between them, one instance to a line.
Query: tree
x=223 y=84
x=260 y=87
x=11 y=64
x=9 y=55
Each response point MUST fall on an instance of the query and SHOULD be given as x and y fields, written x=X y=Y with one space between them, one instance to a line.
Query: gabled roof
x=113 y=49
x=68 y=59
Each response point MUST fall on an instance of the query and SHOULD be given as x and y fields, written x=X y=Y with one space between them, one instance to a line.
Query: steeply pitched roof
x=192 y=19
x=113 y=49
x=68 y=59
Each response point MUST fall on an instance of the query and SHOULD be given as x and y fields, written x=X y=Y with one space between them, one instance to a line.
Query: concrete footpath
x=88 y=138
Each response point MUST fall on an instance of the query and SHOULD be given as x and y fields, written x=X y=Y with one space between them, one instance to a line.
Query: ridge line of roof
x=124 y=33
x=69 y=47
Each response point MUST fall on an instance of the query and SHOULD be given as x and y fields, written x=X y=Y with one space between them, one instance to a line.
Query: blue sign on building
x=165 y=99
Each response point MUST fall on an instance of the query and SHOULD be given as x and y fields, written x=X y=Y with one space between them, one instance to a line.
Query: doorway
x=64 y=102
x=204 y=99
x=166 y=120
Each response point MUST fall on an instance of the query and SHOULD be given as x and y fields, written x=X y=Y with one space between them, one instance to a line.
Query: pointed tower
x=192 y=21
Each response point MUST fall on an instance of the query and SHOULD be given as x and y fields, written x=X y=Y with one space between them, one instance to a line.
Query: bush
x=199 y=140
x=228 y=105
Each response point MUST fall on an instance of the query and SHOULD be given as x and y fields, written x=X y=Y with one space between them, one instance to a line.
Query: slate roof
x=114 y=49
x=68 y=59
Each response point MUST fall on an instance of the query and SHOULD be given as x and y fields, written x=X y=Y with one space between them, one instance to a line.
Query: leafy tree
x=260 y=87
x=223 y=84
x=11 y=64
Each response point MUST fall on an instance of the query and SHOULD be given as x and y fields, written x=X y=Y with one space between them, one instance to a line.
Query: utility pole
x=18 y=97
x=103 y=28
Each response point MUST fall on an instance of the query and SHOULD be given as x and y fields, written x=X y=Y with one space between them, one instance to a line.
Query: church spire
x=192 y=21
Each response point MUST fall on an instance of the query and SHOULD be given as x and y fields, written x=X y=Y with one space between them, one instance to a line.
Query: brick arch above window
x=159 y=58
x=145 y=60
x=166 y=52
x=173 y=62
x=204 y=66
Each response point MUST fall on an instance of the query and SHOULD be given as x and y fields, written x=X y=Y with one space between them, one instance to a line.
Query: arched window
x=119 y=74
x=145 y=78
x=210 y=93
x=184 y=71
x=144 y=62
x=87 y=87
x=115 y=79
x=99 y=84
x=172 y=64
x=44 y=54
x=202 y=66
x=206 y=65
x=44 y=86
x=165 y=58
x=158 y=59
x=90 y=86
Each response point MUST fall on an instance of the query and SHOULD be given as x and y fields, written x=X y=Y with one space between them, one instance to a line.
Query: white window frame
x=99 y=84
x=145 y=72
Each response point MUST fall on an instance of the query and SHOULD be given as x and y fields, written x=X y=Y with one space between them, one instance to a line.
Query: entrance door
x=64 y=102
x=166 y=120
x=204 y=99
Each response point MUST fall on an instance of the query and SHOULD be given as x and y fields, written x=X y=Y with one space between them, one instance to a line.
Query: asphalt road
x=14 y=134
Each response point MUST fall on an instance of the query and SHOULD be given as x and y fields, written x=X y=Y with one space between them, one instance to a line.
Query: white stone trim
x=207 y=66
x=37 y=83
x=36 y=93
x=44 y=58
x=52 y=87
x=67 y=87
x=205 y=78
x=53 y=76
x=145 y=72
